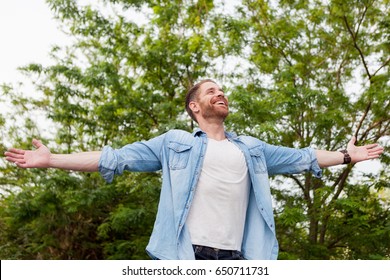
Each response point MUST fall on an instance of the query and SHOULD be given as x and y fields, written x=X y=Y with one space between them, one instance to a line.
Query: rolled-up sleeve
x=139 y=156
x=315 y=167
x=107 y=164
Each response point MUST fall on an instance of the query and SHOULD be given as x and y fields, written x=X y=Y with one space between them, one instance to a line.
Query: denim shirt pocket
x=258 y=159
x=179 y=155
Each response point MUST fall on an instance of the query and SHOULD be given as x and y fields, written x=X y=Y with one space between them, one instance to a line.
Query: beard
x=215 y=112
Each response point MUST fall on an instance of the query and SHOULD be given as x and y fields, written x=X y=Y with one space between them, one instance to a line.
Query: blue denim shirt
x=180 y=155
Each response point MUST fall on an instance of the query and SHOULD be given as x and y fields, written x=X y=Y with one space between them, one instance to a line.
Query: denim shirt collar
x=229 y=135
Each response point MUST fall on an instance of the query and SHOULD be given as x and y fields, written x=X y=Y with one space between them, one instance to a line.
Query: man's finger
x=15 y=151
x=36 y=143
x=370 y=146
x=21 y=164
x=13 y=155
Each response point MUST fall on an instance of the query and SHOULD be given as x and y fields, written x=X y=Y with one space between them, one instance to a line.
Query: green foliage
x=299 y=73
x=298 y=94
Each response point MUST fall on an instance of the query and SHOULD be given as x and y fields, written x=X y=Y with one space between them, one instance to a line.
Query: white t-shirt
x=217 y=215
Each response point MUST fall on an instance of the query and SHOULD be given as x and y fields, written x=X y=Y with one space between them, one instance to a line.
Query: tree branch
x=354 y=37
x=371 y=127
x=341 y=182
x=383 y=65
x=362 y=119
x=305 y=191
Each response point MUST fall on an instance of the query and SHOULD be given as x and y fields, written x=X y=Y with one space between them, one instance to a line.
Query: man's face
x=212 y=102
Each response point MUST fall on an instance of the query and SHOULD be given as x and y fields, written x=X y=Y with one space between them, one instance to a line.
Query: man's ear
x=194 y=106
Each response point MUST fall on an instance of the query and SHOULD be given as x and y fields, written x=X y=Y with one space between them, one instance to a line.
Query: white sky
x=27 y=33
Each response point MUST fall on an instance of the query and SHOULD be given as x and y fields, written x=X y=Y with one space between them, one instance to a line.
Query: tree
x=120 y=82
x=288 y=65
x=308 y=52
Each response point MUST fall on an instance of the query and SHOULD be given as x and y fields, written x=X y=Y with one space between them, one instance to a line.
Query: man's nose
x=222 y=94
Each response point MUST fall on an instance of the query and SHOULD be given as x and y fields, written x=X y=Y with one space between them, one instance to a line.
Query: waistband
x=199 y=248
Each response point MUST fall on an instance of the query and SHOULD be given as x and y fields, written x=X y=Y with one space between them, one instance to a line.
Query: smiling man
x=215 y=200
x=209 y=104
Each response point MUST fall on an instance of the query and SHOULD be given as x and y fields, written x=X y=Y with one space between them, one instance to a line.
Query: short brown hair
x=191 y=96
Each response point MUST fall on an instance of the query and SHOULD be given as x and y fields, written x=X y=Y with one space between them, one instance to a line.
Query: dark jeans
x=208 y=253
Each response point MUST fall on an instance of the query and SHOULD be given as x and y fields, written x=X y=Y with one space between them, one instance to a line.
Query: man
x=215 y=199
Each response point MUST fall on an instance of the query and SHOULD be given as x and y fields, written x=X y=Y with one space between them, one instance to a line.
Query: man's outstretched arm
x=43 y=158
x=357 y=154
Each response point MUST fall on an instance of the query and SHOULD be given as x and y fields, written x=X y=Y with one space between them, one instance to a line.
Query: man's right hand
x=43 y=158
x=39 y=158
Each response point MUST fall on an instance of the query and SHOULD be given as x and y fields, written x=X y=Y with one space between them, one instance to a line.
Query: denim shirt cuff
x=107 y=164
x=315 y=168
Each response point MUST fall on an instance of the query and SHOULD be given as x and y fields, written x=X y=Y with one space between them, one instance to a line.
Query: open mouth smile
x=221 y=102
